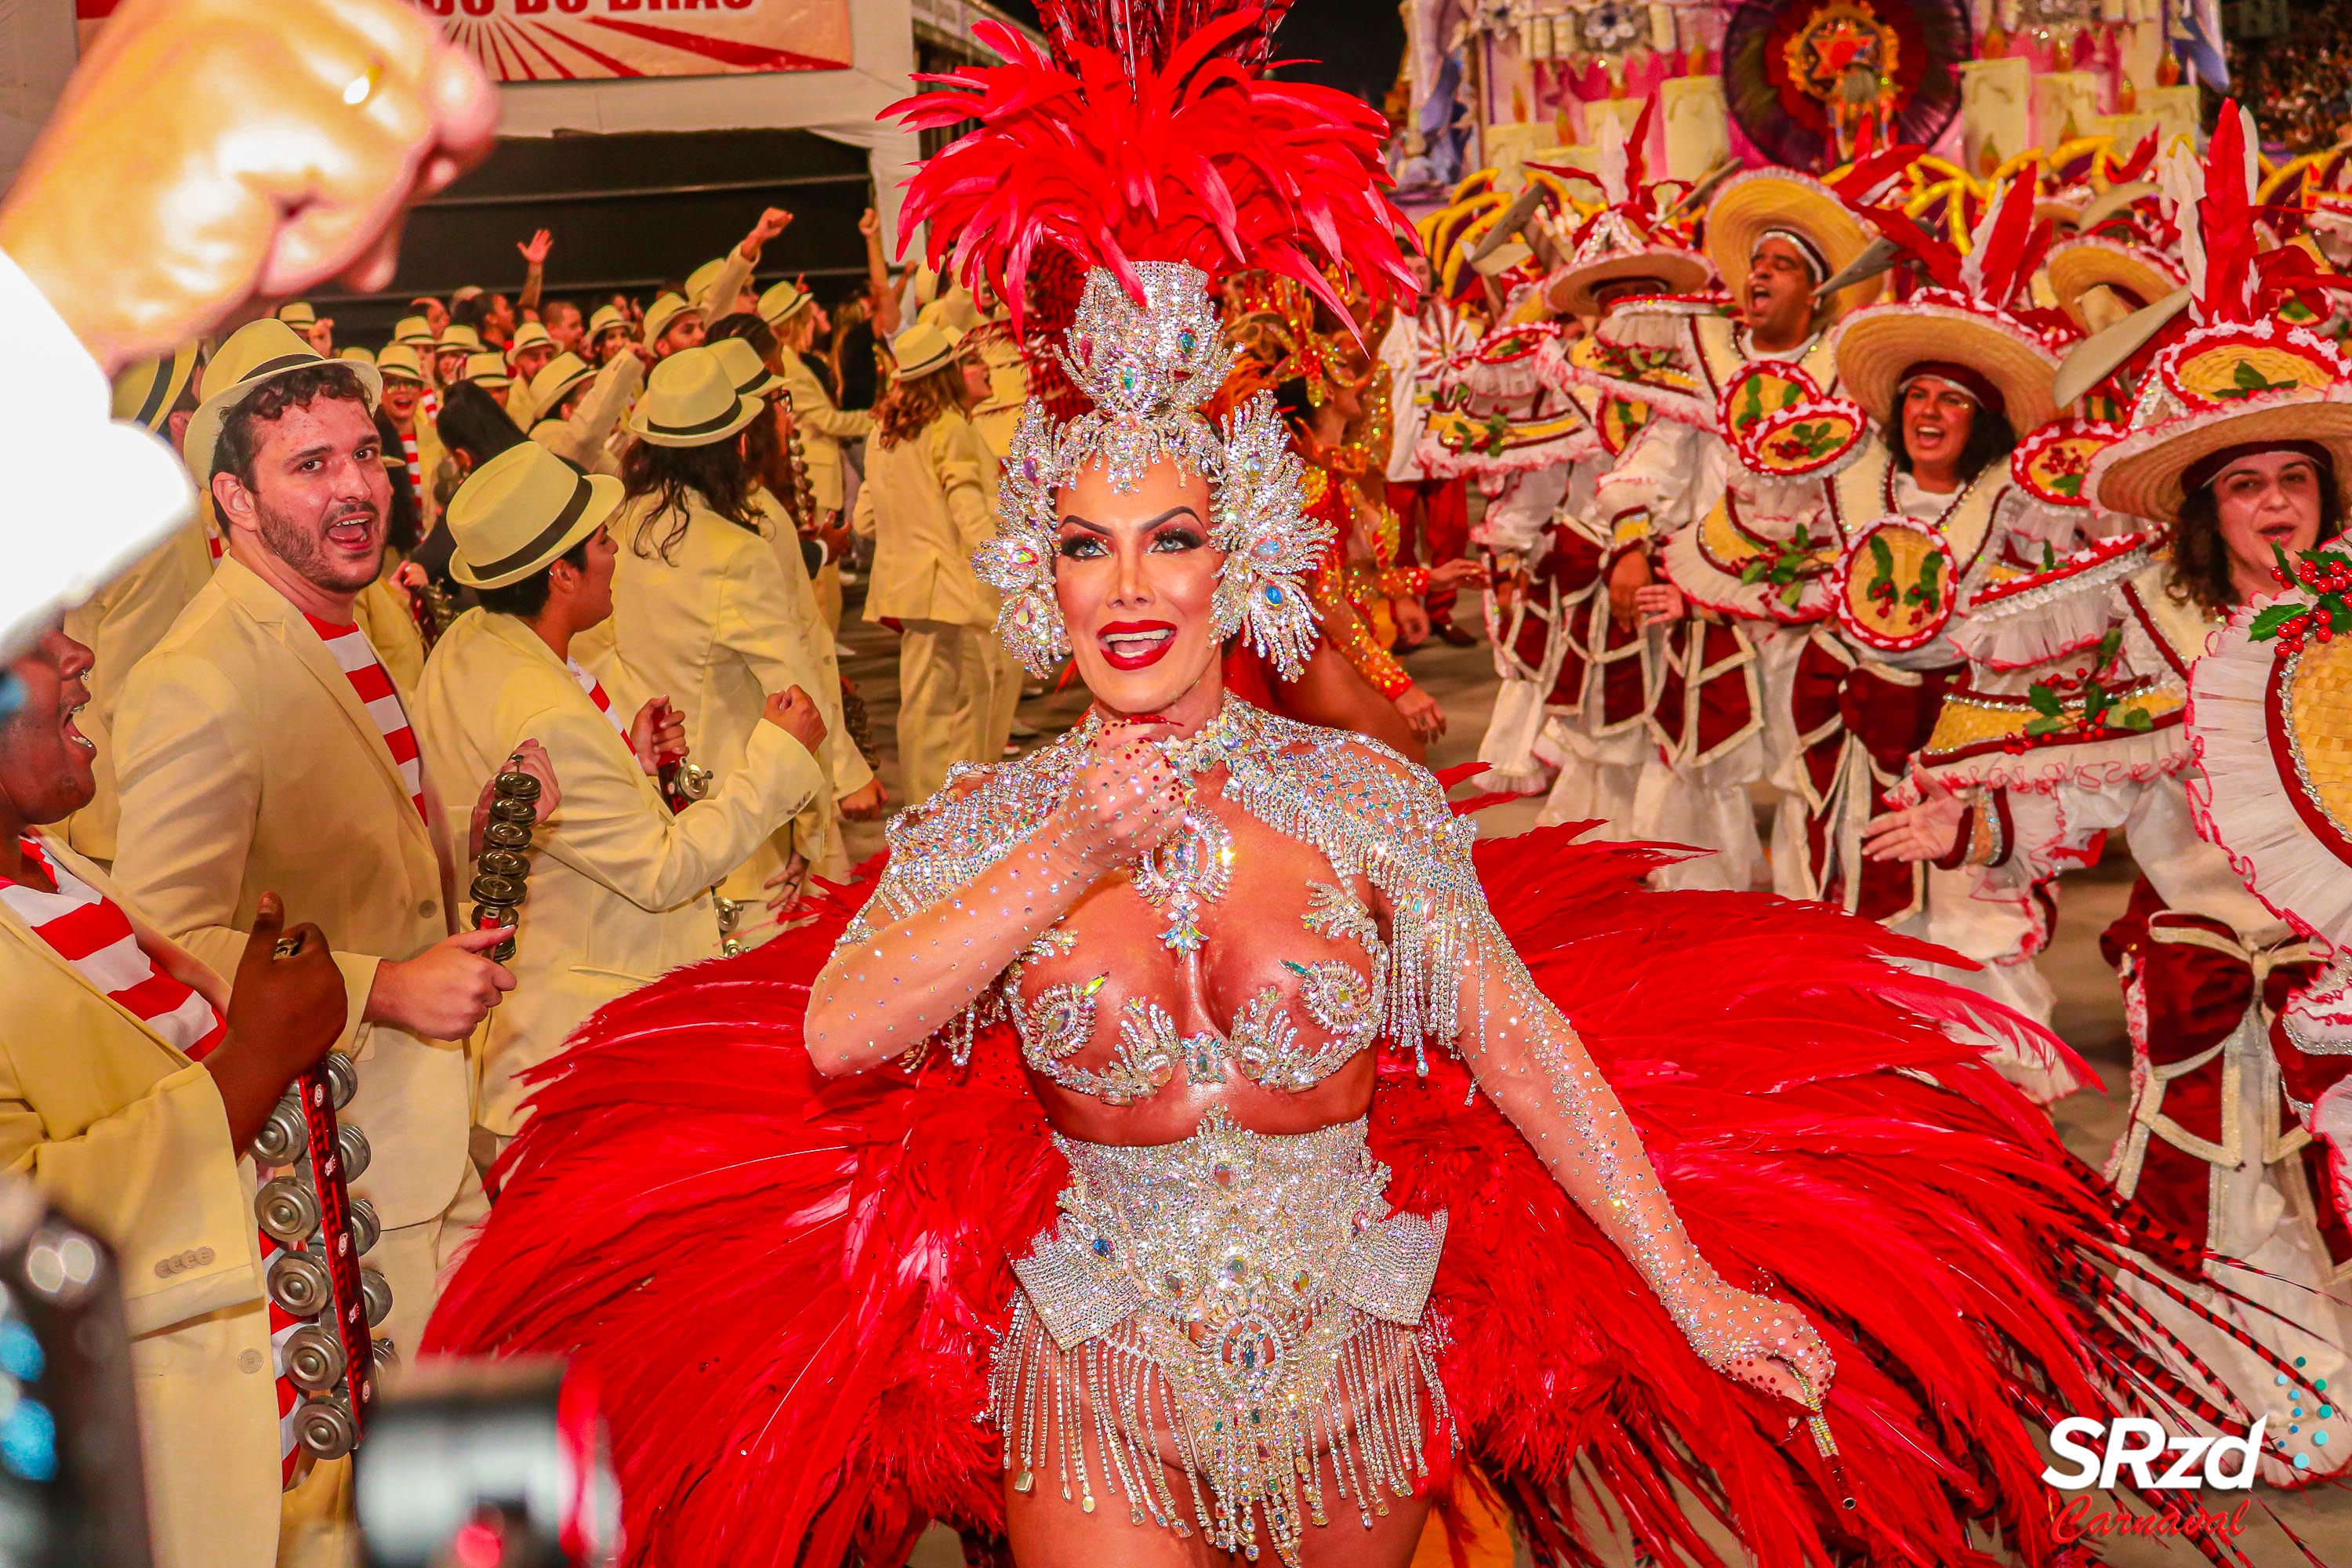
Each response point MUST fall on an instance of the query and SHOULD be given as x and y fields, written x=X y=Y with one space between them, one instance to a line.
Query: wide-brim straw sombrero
x=2141 y=475
x=1677 y=272
x=1748 y=206
x=2081 y=265
x=1877 y=347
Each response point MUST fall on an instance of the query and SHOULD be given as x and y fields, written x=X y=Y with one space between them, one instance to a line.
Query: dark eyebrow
x=1184 y=509
x=316 y=449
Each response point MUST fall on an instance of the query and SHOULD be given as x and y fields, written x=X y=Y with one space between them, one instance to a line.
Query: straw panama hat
x=666 y=309
x=1876 y=348
x=745 y=368
x=298 y=315
x=520 y=510
x=256 y=353
x=781 y=303
x=414 y=331
x=399 y=363
x=603 y=319
x=1748 y=206
x=924 y=348
x=458 y=336
x=147 y=393
x=531 y=335
x=698 y=282
x=489 y=369
x=691 y=401
x=556 y=378
x=356 y=351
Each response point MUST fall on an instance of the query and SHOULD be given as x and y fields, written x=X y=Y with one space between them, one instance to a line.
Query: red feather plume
x=787 y=1287
x=1120 y=158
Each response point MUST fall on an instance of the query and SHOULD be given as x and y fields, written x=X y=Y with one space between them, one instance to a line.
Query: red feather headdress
x=1149 y=135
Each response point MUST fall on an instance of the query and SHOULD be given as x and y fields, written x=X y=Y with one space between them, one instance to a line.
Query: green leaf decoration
x=1882 y=559
x=2266 y=624
x=1753 y=572
x=2046 y=701
x=2136 y=719
x=2038 y=728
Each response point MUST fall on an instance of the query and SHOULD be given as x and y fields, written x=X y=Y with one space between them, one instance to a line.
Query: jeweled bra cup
x=1245 y=1299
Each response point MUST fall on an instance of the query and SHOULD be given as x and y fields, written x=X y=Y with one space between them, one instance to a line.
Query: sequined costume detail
x=1249 y=1294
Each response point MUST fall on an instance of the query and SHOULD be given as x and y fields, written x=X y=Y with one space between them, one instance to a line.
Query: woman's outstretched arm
x=896 y=980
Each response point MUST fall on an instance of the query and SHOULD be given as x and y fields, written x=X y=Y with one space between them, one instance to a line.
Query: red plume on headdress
x=1149 y=137
x=2239 y=280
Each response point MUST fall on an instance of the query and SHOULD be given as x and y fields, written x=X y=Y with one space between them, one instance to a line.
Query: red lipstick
x=1137 y=653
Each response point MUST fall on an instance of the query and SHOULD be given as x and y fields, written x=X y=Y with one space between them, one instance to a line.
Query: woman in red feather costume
x=1192 y=1147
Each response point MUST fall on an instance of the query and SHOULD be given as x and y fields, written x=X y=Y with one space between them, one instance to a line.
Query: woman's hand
x=1457 y=573
x=1411 y=619
x=1660 y=604
x=1422 y=712
x=1124 y=802
x=1770 y=1345
x=1927 y=831
x=786 y=887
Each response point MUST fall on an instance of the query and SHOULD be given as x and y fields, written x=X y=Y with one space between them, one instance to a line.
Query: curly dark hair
x=715 y=473
x=2200 y=560
x=241 y=432
x=749 y=327
x=1990 y=438
x=471 y=421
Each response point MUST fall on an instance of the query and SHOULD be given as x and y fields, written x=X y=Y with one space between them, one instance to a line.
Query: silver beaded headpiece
x=1148 y=368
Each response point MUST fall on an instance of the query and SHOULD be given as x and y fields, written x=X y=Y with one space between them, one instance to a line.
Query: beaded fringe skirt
x=1236 y=1307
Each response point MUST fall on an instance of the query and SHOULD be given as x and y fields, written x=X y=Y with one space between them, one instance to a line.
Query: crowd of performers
x=1913 y=524
x=1911 y=521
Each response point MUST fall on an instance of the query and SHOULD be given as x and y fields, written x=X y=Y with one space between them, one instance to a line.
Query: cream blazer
x=118 y=624
x=823 y=429
x=815 y=831
x=131 y=1138
x=247 y=765
x=619 y=888
x=928 y=503
x=715 y=627
x=587 y=440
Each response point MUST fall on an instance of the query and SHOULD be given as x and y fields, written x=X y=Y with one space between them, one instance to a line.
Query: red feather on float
x=788 y=1287
x=1124 y=158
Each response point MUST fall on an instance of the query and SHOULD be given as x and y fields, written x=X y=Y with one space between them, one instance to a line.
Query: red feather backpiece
x=1171 y=150
x=787 y=1288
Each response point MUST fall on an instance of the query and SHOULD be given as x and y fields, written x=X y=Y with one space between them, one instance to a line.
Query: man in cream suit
x=250 y=762
x=620 y=887
x=103 y=1107
x=130 y=614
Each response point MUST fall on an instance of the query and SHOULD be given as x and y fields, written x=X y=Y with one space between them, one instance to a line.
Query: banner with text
x=566 y=40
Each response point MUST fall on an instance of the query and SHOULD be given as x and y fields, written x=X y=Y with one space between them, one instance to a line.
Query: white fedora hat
x=520 y=510
x=691 y=401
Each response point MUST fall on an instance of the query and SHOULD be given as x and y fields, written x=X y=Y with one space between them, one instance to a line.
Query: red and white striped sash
x=89 y=930
x=372 y=682
x=596 y=691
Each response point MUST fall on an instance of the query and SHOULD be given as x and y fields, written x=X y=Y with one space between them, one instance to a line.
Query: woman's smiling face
x=1136 y=578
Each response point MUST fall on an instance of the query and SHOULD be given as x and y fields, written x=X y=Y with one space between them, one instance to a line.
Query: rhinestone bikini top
x=1367 y=810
